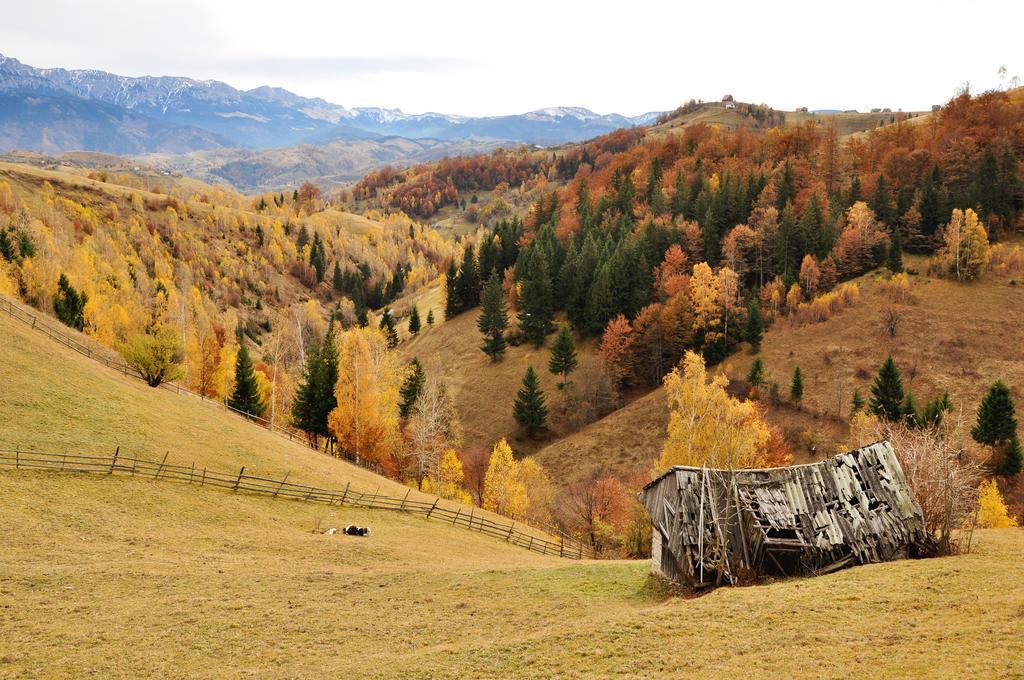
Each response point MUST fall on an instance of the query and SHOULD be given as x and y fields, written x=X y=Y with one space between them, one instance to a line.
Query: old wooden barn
x=721 y=526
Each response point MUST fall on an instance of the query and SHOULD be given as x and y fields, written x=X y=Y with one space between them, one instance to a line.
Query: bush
x=157 y=355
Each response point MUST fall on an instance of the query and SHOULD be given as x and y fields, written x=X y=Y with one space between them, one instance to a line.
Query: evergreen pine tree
x=755 y=324
x=414 y=321
x=536 y=307
x=756 y=375
x=246 y=395
x=887 y=392
x=563 y=355
x=493 y=318
x=529 y=408
x=411 y=388
x=430 y=317
x=387 y=324
x=452 y=302
x=305 y=404
x=796 y=386
x=469 y=280
x=930 y=206
x=857 y=402
x=936 y=409
x=338 y=280
x=69 y=304
x=909 y=408
x=303 y=238
x=894 y=259
x=997 y=427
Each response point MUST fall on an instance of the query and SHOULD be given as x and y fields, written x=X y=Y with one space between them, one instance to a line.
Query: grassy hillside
x=959 y=337
x=54 y=399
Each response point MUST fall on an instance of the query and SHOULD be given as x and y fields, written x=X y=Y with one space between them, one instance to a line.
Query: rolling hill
x=126 y=577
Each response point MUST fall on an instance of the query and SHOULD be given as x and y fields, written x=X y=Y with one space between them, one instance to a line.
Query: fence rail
x=282 y=488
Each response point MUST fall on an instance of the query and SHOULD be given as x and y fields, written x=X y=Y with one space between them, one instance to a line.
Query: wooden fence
x=125 y=465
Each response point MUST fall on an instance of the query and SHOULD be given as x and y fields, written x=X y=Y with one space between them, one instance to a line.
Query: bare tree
x=891 y=318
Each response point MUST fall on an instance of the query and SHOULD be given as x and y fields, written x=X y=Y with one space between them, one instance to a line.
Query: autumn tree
x=706 y=425
x=447 y=479
x=992 y=511
x=365 y=421
x=529 y=408
x=616 y=348
x=433 y=427
x=493 y=318
x=504 y=491
x=563 y=355
x=966 y=251
x=245 y=397
x=157 y=355
x=810 y=275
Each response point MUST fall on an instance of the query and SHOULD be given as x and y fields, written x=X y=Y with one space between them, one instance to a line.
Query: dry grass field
x=120 y=577
x=116 y=577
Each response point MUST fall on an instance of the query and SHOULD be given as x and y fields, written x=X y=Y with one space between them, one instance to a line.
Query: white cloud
x=489 y=58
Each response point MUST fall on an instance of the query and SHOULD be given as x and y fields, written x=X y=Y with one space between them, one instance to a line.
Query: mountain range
x=57 y=110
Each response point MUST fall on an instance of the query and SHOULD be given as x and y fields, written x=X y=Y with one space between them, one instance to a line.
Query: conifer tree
x=430 y=318
x=414 y=320
x=909 y=408
x=493 y=318
x=755 y=324
x=69 y=304
x=469 y=280
x=452 y=302
x=936 y=409
x=529 y=408
x=894 y=258
x=563 y=355
x=337 y=279
x=997 y=427
x=756 y=375
x=246 y=395
x=318 y=258
x=796 y=386
x=536 y=307
x=411 y=388
x=887 y=392
x=315 y=399
x=387 y=324
x=857 y=402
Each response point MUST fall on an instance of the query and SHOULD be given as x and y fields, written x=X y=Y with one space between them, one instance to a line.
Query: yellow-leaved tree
x=504 y=490
x=447 y=481
x=966 y=251
x=365 y=421
x=707 y=302
x=707 y=426
x=992 y=511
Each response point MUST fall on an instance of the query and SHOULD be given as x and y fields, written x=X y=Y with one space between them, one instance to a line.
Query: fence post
x=345 y=494
x=402 y=506
x=510 y=530
x=429 y=512
x=530 y=547
x=161 y=468
x=471 y=518
x=203 y=482
x=282 y=483
x=561 y=546
x=17 y=457
x=113 y=461
x=192 y=472
x=239 y=480
x=458 y=511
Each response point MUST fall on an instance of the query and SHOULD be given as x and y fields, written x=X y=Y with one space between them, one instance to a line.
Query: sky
x=489 y=58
